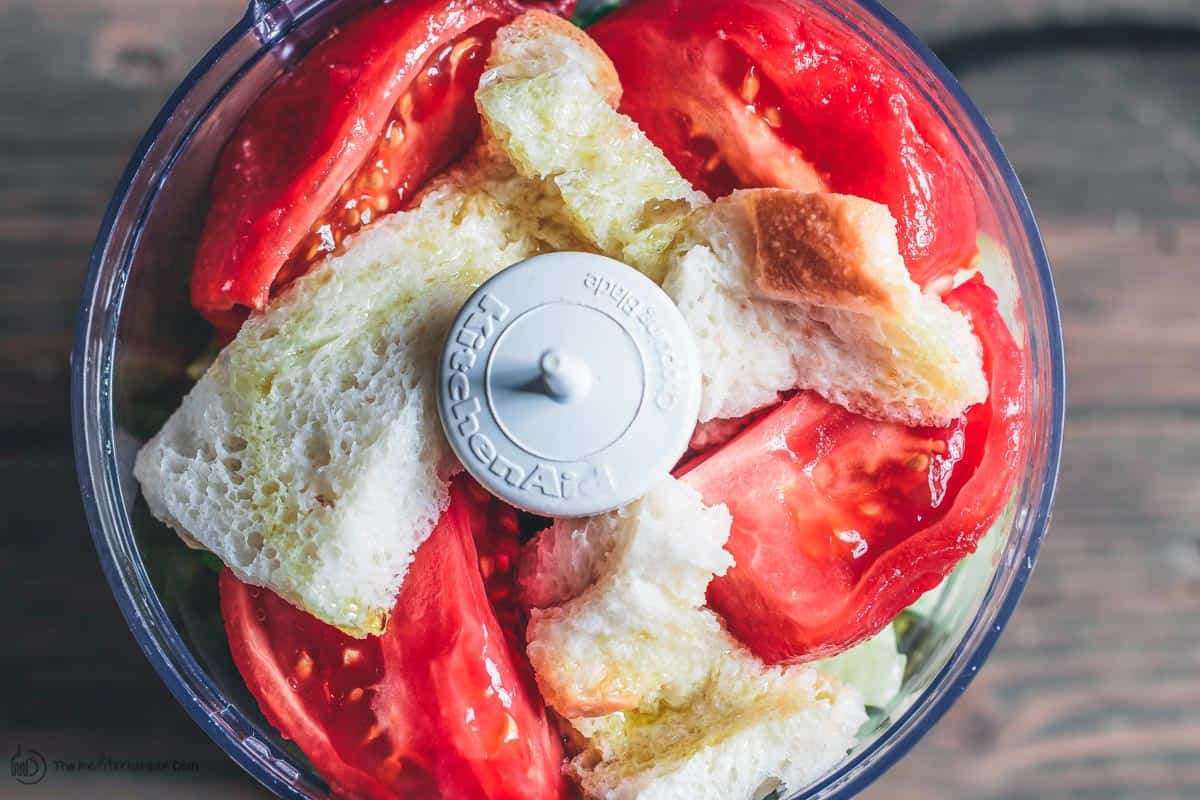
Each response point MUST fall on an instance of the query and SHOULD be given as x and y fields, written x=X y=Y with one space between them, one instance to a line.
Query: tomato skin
x=311 y=131
x=268 y=638
x=840 y=522
x=438 y=706
x=743 y=93
x=495 y=740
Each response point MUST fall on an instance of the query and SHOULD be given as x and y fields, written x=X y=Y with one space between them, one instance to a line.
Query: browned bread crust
x=812 y=247
x=818 y=282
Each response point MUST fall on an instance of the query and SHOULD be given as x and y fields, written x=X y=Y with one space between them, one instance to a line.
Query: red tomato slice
x=494 y=737
x=361 y=123
x=743 y=93
x=841 y=522
x=319 y=688
x=437 y=706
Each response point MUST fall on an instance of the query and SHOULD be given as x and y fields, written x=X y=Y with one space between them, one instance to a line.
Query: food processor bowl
x=138 y=342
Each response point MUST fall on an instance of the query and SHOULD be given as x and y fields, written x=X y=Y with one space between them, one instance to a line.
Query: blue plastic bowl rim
x=167 y=671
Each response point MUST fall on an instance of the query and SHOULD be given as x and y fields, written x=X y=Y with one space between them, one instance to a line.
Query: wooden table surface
x=1094 y=690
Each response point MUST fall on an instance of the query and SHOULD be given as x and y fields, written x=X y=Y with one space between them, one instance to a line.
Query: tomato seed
x=313 y=252
x=468 y=48
x=773 y=116
x=511 y=732
x=918 y=463
x=404 y=105
x=395 y=132
x=750 y=85
x=304 y=666
x=822 y=475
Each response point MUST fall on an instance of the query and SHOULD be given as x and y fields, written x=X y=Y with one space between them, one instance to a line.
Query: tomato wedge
x=841 y=522
x=437 y=706
x=363 y=121
x=742 y=93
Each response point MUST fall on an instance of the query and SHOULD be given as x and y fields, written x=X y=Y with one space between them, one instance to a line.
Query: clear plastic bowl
x=137 y=334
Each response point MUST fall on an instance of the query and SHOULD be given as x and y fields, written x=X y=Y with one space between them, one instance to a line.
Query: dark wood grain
x=79 y=83
x=938 y=20
x=1094 y=691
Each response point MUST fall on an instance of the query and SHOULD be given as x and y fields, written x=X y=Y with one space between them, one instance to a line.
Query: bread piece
x=309 y=457
x=538 y=42
x=617 y=620
x=785 y=290
x=663 y=702
x=750 y=730
x=550 y=109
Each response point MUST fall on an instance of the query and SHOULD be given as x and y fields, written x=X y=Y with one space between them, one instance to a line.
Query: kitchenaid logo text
x=667 y=393
x=534 y=476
